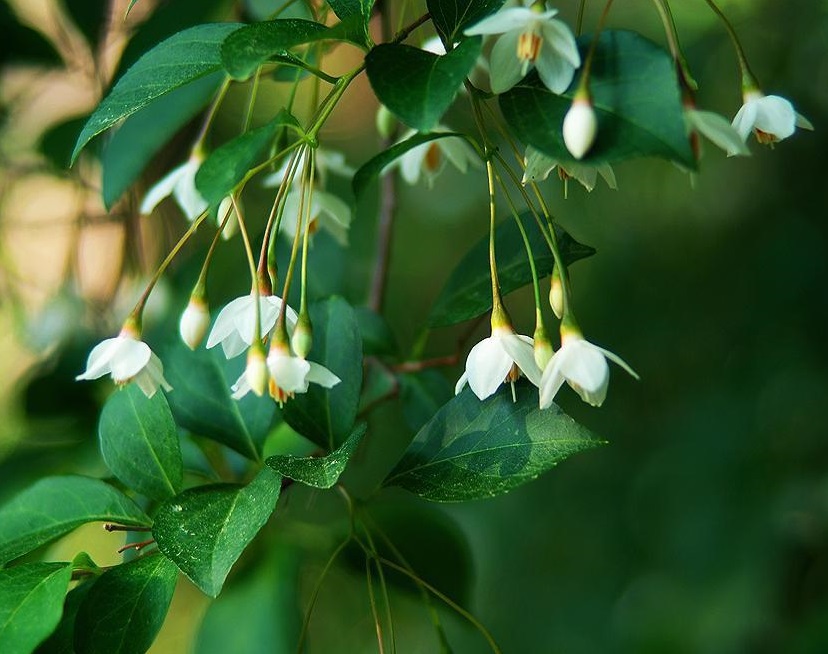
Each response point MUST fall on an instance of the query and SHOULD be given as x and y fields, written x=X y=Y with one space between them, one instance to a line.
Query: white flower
x=232 y=226
x=538 y=166
x=530 y=38
x=496 y=359
x=288 y=375
x=180 y=183
x=194 y=323
x=717 y=129
x=236 y=322
x=428 y=159
x=126 y=359
x=583 y=366
x=771 y=117
x=328 y=211
x=579 y=128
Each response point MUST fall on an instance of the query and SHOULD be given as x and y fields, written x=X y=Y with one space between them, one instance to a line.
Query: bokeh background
x=701 y=528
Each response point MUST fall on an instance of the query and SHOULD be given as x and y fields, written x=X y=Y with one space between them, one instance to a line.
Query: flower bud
x=302 y=338
x=256 y=371
x=386 y=122
x=195 y=320
x=579 y=127
x=232 y=224
x=542 y=346
x=556 y=293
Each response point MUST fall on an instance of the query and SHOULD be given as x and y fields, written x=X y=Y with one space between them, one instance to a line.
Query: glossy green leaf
x=636 y=98
x=31 y=603
x=139 y=442
x=374 y=167
x=227 y=165
x=253 y=45
x=54 y=506
x=62 y=639
x=418 y=86
x=327 y=416
x=181 y=59
x=451 y=17
x=357 y=13
x=468 y=292
x=264 y=600
x=144 y=133
x=202 y=404
x=125 y=607
x=319 y=471
x=377 y=337
x=204 y=530
x=473 y=449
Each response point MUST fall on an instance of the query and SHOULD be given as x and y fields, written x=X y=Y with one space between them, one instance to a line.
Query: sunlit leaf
x=472 y=449
x=54 y=506
x=31 y=603
x=139 y=442
x=204 y=530
x=181 y=59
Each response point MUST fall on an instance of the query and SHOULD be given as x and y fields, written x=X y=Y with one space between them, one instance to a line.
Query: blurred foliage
x=702 y=527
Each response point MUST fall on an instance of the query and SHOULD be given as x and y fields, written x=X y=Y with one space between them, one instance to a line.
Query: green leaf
x=139 y=442
x=319 y=471
x=326 y=416
x=253 y=45
x=126 y=606
x=31 y=603
x=182 y=58
x=636 y=98
x=264 y=601
x=468 y=292
x=473 y=449
x=201 y=401
x=54 y=506
x=372 y=168
x=62 y=639
x=357 y=12
x=418 y=86
x=451 y=17
x=377 y=337
x=227 y=165
x=144 y=133
x=204 y=530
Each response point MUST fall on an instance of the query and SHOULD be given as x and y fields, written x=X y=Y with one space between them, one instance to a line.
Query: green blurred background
x=701 y=528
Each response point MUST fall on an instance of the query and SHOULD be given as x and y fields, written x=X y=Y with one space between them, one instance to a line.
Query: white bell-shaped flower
x=538 y=166
x=771 y=118
x=180 y=183
x=194 y=323
x=428 y=160
x=235 y=325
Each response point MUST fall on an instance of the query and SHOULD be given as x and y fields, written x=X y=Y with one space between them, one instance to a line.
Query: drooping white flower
x=531 y=38
x=579 y=127
x=538 y=166
x=771 y=117
x=180 y=183
x=235 y=325
x=583 y=366
x=428 y=159
x=327 y=211
x=126 y=358
x=288 y=375
x=716 y=128
x=194 y=323
x=499 y=358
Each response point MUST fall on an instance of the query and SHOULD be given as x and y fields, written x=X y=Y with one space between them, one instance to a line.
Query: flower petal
x=186 y=193
x=241 y=387
x=505 y=20
x=555 y=72
x=803 y=122
x=718 y=130
x=552 y=379
x=99 y=360
x=606 y=171
x=411 y=163
x=487 y=366
x=233 y=345
x=289 y=373
x=519 y=347
x=505 y=69
x=226 y=320
x=558 y=36
x=319 y=374
x=775 y=115
x=585 y=369
x=745 y=118
x=464 y=379
x=132 y=356
x=161 y=189
x=537 y=165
